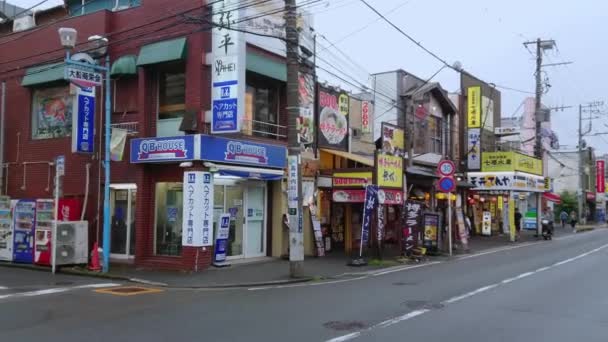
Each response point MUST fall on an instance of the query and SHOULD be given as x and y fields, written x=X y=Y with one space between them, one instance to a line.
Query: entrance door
x=255 y=220
x=122 y=206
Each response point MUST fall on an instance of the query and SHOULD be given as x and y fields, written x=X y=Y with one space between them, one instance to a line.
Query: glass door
x=255 y=221
x=234 y=206
x=122 y=206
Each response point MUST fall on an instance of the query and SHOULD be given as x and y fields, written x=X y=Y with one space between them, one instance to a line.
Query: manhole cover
x=344 y=325
x=422 y=304
x=128 y=290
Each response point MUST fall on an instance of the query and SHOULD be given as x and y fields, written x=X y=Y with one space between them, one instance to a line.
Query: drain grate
x=345 y=325
x=128 y=290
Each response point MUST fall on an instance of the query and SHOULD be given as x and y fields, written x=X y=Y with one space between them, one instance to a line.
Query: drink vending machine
x=45 y=214
x=23 y=237
x=6 y=229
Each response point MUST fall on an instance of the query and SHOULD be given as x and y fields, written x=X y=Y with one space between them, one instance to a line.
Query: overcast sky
x=485 y=36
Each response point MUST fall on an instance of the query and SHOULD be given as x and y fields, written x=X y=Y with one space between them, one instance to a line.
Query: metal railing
x=264 y=129
x=130 y=127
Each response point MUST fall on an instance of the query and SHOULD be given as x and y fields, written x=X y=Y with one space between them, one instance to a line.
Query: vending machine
x=45 y=213
x=23 y=237
x=6 y=229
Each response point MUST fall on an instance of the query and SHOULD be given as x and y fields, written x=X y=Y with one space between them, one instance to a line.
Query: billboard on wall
x=333 y=112
x=393 y=139
x=474 y=107
x=473 y=152
x=510 y=161
x=306 y=118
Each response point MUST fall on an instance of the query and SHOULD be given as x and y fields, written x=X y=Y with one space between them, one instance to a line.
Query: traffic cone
x=94 y=265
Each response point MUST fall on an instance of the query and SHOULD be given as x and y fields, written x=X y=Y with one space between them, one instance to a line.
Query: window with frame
x=171 y=92
x=261 y=107
x=436 y=134
x=51 y=112
x=168 y=214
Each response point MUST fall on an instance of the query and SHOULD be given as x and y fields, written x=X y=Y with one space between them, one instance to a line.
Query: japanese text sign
x=389 y=171
x=474 y=107
x=412 y=216
x=510 y=161
x=333 y=119
x=600 y=174
x=82 y=76
x=197 y=222
x=371 y=198
x=473 y=149
x=365 y=117
x=83 y=122
x=351 y=179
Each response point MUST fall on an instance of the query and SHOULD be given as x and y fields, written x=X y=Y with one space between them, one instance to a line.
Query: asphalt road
x=549 y=291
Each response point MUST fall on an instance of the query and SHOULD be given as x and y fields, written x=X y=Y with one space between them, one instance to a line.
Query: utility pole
x=541 y=46
x=2 y=123
x=591 y=108
x=296 y=236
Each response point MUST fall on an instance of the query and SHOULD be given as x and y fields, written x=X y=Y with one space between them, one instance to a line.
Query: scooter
x=547 y=229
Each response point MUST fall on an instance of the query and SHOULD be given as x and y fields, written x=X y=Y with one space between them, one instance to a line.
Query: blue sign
x=447 y=184
x=242 y=152
x=84 y=127
x=167 y=149
x=221 y=241
x=225 y=116
x=371 y=196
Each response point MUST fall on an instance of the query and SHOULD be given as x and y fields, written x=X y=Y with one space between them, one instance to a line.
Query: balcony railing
x=264 y=129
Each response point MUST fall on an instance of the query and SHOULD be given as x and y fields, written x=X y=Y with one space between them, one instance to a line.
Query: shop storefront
x=245 y=178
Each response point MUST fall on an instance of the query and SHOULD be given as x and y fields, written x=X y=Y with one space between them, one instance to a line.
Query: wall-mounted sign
x=506 y=130
x=365 y=117
x=306 y=119
x=233 y=151
x=166 y=149
x=82 y=76
x=390 y=196
x=333 y=119
x=351 y=179
x=83 y=125
x=510 y=161
x=473 y=151
x=499 y=181
x=389 y=171
x=197 y=223
x=393 y=140
x=474 y=107
x=348 y=196
x=600 y=175
x=228 y=69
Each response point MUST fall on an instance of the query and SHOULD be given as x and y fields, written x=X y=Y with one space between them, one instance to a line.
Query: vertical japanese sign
x=221 y=240
x=412 y=217
x=197 y=226
x=389 y=171
x=296 y=241
x=381 y=221
x=306 y=118
x=473 y=149
x=228 y=69
x=365 y=117
x=83 y=121
x=599 y=176
x=474 y=107
x=371 y=197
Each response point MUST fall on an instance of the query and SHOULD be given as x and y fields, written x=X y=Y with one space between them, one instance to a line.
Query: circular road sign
x=447 y=184
x=446 y=168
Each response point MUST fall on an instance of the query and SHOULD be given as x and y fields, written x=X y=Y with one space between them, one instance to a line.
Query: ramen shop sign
x=333 y=118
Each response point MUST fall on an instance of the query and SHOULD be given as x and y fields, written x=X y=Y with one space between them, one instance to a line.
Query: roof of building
x=9 y=11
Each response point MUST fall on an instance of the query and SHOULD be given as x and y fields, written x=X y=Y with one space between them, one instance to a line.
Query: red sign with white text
x=600 y=184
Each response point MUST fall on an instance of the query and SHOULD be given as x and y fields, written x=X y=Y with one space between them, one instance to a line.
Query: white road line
x=392 y=270
x=3 y=288
x=455 y=299
x=55 y=290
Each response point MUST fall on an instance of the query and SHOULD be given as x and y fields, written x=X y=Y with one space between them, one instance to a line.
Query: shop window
x=51 y=113
x=435 y=130
x=171 y=99
x=169 y=208
x=261 y=107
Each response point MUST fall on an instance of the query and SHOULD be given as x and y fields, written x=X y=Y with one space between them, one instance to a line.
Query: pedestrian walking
x=517 y=223
x=564 y=218
x=573 y=221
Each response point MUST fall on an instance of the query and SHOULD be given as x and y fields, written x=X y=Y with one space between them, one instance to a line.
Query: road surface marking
x=455 y=299
x=128 y=290
x=53 y=290
x=3 y=288
x=304 y=284
x=392 y=270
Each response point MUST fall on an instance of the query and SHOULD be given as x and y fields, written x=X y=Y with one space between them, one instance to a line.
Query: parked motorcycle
x=547 y=229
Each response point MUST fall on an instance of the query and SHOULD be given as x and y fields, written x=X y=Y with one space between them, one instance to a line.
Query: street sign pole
x=450 y=222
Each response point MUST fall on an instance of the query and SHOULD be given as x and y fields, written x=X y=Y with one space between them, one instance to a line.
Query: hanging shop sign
x=365 y=117
x=474 y=107
x=412 y=219
x=242 y=152
x=504 y=181
x=197 y=223
x=510 y=161
x=227 y=69
x=351 y=179
x=221 y=240
x=390 y=196
x=333 y=119
x=306 y=118
x=431 y=231
x=82 y=76
x=389 y=171
x=83 y=125
x=600 y=175
x=348 y=196
x=473 y=149
x=166 y=149
x=502 y=131
x=393 y=140
x=371 y=197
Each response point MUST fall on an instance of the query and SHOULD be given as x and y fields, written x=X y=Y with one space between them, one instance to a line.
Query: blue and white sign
x=166 y=149
x=228 y=69
x=242 y=152
x=371 y=198
x=221 y=240
x=83 y=122
x=197 y=222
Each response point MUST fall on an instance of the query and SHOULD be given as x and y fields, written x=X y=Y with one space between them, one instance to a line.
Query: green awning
x=125 y=65
x=43 y=74
x=266 y=66
x=165 y=51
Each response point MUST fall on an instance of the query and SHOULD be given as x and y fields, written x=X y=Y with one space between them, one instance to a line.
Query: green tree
x=568 y=204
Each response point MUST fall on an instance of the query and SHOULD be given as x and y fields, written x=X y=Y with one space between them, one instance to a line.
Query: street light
x=99 y=50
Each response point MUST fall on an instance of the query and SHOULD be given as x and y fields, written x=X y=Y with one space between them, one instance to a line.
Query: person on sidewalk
x=573 y=220
x=564 y=217
x=517 y=223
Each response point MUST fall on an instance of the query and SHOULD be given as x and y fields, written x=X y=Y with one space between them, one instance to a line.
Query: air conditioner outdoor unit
x=23 y=23
x=72 y=243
